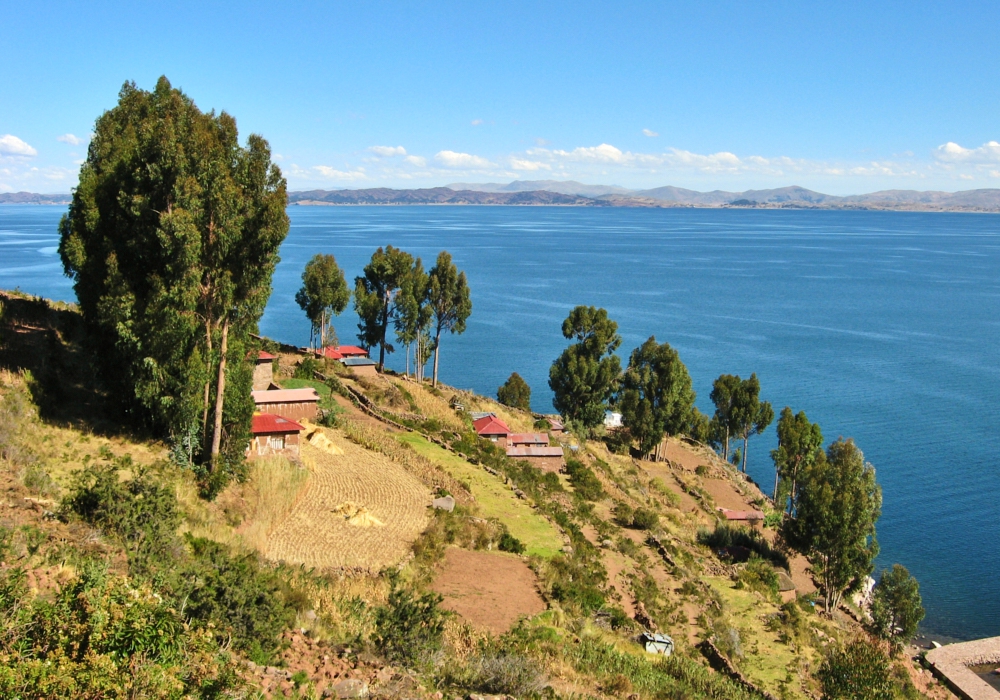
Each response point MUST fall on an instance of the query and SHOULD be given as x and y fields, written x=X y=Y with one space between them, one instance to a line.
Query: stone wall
x=951 y=664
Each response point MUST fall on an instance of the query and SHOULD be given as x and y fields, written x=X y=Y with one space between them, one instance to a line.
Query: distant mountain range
x=571 y=193
x=32 y=198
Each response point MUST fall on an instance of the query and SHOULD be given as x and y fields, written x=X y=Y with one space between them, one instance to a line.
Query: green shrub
x=857 y=671
x=410 y=627
x=622 y=514
x=726 y=535
x=758 y=575
x=672 y=499
x=701 y=470
x=645 y=519
x=498 y=672
x=509 y=543
x=584 y=481
x=307 y=368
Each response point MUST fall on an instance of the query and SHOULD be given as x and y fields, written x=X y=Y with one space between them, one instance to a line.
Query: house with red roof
x=544 y=457
x=293 y=404
x=273 y=435
x=491 y=428
x=342 y=351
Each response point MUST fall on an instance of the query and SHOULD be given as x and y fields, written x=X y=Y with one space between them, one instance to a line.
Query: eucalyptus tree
x=171 y=239
x=896 y=607
x=799 y=442
x=375 y=295
x=723 y=424
x=656 y=396
x=836 y=507
x=323 y=295
x=515 y=392
x=750 y=416
x=585 y=376
x=413 y=317
x=450 y=301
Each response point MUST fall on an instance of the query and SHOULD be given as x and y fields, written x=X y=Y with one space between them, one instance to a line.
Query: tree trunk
x=437 y=353
x=408 y=359
x=208 y=383
x=725 y=446
x=746 y=439
x=220 y=393
x=775 y=499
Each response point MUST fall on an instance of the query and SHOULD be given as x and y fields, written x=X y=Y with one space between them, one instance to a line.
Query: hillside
x=320 y=576
x=435 y=195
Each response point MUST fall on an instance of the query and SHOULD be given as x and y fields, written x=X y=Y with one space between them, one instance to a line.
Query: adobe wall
x=951 y=663
x=263 y=375
x=296 y=411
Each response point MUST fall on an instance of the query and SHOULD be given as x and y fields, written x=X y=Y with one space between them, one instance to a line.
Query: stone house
x=273 y=435
x=293 y=404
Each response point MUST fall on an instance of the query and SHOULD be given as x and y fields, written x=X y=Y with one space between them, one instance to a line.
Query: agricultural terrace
x=495 y=499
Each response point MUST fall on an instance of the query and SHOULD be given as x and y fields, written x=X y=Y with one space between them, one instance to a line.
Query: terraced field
x=324 y=531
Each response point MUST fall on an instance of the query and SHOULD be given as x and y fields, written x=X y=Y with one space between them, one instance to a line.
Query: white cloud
x=650 y=133
x=388 y=151
x=329 y=173
x=951 y=152
x=451 y=159
x=10 y=145
x=416 y=160
x=723 y=161
x=477 y=122
x=71 y=139
x=523 y=164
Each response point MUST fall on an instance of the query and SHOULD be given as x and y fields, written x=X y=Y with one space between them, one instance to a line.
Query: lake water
x=882 y=326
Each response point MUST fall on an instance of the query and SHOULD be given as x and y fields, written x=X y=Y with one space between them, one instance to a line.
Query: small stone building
x=293 y=404
x=548 y=459
x=273 y=435
x=361 y=366
x=263 y=371
x=655 y=643
x=522 y=439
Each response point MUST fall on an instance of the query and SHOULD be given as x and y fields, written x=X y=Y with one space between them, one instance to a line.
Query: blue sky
x=840 y=97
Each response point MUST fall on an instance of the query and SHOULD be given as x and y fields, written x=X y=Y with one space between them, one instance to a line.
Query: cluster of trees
x=171 y=240
x=394 y=292
x=831 y=498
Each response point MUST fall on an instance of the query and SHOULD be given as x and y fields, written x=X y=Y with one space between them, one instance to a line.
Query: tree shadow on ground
x=48 y=339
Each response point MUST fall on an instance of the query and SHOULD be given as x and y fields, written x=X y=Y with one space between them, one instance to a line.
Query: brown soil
x=618 y=568
x=490 y=590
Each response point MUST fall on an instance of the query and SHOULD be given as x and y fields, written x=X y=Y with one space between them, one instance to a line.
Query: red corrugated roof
x=352 y=351
x=269 y=424
x=490 y=425
x=264 y=355
x=331 y=353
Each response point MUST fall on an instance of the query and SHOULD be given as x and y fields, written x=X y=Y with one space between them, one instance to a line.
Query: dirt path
x=490 y=590
x=314 y=535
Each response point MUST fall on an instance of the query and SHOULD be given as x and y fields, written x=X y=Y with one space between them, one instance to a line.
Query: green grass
x=325 y=395
x=495 y=499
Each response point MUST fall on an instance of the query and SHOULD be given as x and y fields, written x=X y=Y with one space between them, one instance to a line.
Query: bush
x=584 y=481
x=758 y=575
x=515 y=393
x=501 y=673
x=509 y=543
x=307 y=368
x=725 y=535
x=410 y=627
x=857 y=671
x=645 y=519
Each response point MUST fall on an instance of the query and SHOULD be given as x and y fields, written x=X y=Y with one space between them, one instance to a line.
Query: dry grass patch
x=314 y=535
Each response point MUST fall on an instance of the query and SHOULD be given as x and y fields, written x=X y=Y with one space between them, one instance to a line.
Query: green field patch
x=495 y=498
x=325 y=395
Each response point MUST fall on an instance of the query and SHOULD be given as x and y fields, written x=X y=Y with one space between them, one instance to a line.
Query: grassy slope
x=494 y=498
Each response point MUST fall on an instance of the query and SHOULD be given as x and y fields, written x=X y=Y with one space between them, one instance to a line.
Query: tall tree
x=750 y=415
x=323 y=295
x=450 y=301
x=515 y=393
x=171 y=239
x=896 y=608
x=723 y=394
x=656 y=396
x=836 y=508
x=799 y=441
x=413 y=317
x=584 y=377
x=374 y=296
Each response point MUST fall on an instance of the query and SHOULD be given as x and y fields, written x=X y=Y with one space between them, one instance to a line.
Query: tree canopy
x=515 y=393
x=449 y=299
x=656 y=395
x=171 y=240
x=799 y=441
x=723 y=395
x=896 y=608
x=323 y=295
x=749 y=415
x=374 y=296
x=413 y=317
x=836 y=507
x=584 y=377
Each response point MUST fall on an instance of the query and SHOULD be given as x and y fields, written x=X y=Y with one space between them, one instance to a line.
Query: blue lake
x=882 y=326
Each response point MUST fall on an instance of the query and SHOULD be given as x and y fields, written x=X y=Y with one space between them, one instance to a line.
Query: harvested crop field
x=489 y=590
x=358 y=509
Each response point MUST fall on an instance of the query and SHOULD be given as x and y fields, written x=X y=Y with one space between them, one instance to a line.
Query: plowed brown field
x=315 y=535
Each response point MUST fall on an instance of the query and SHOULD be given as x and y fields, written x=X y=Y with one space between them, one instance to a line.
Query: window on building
x=276 y=442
